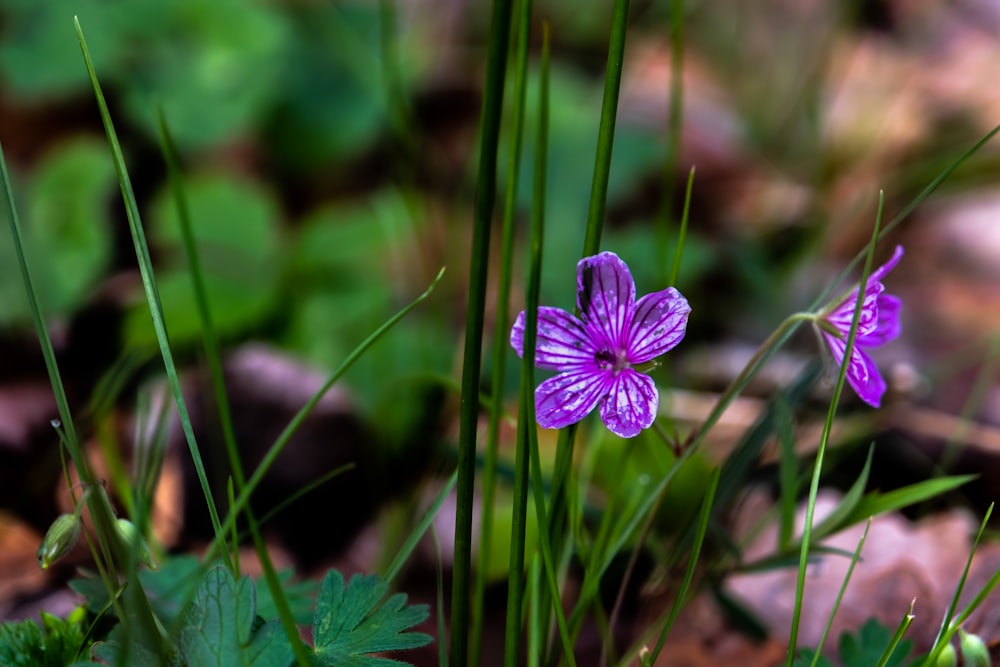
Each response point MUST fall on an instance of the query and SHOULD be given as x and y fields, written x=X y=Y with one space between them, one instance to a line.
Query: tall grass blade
x=501 y=331
x=606 y=131
x=824 y=438
x=843 y=589
x=496 y=65
x=527 y=431
x=152 y=294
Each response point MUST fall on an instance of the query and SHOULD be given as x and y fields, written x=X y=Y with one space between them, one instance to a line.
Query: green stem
x=527 y=439
x=496 y=65
x=606 y=132
x=501 y=332
x=800 y=583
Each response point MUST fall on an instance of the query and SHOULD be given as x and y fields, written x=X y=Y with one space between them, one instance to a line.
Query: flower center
x=609 y=360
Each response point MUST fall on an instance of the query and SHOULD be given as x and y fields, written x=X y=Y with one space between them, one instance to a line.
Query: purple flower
x=596 y=353
x=879 y=324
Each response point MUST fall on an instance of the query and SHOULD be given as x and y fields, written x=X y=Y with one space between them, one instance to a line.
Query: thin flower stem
x=502 y=330
x=496 y=65
x=827 y=426
x=773 y=343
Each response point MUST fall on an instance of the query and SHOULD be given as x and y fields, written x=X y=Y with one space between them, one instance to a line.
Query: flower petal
x=605 y=296
x=882 y=271
x=631 y=404
x=657 y=325
x=862 y=373
x=888 y=327
x=843 y=314
x=563 y=342
x=569 y=397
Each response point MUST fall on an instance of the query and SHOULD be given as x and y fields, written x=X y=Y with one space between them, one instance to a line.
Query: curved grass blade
x=149 y=284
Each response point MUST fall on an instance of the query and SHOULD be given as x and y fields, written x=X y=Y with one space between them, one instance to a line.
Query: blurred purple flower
x=595 y=353
x=878 y=325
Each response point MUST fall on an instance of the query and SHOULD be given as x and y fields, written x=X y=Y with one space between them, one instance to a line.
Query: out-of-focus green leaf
x=215 y=67
x=67 y=233
x=39 y=53
x=867 y=646
x=332 y=106
x=236 y=229
x=67 y=217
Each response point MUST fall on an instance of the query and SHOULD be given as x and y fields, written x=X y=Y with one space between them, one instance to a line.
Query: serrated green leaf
x=352 y=622
x=221 y=627
x=867 y=646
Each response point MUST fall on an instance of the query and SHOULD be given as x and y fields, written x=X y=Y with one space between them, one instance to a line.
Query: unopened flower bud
x=947 y=657
x=130 y=538
x=974 y=651
x=60 y=539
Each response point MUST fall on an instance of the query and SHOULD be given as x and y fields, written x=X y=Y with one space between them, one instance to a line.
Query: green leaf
x=215 y=67
x=805 y=658
x=54 y=644
x=67 y=236
x=876 y=503
x=866 y=647
x=38 y=56
x=353 y=622
x=221 y=627
x=847 y=504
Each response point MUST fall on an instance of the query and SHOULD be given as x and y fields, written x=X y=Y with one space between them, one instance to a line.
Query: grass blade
x=843 y=589
x=807 y=528
x=152 y=294
x=403 y=553
x=699 y=539
x=501 y=332
x=606 y=131
x=496 y=65
x=896 y=637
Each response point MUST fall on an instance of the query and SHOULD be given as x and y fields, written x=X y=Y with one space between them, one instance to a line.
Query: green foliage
x=867 y=646
x=171 y=586
x=862 y=649
x=67 y=234
x=225 y=622
x=353 y=622
x=221 y=627
x=53 y=644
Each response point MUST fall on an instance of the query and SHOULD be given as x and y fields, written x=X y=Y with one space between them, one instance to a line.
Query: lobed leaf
x=221 y=627
x=352 y=622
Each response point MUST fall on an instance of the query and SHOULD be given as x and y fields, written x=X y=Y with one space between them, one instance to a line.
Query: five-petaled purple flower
x=596 y=353
x=878 y=325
